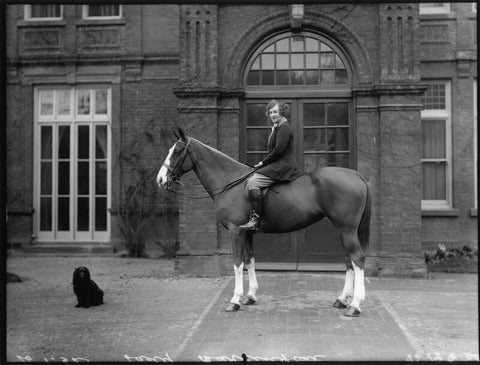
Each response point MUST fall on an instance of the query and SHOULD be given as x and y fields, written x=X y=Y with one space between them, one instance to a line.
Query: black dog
x=87 y=291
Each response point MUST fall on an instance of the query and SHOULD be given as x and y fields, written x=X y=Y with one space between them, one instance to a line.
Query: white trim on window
x=28 y=13
x=59 y=109
x=474 y=7
x=434 y=8
x=446 y=115
x=475 y=141
x=85 y=13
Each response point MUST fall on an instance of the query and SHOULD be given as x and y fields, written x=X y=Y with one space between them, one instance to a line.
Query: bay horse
x=339 y=194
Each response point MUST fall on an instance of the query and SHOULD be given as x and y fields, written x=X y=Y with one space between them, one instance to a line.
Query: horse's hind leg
x=239 y=254
x=252 y=277
x=347 y=292
x=357 y=257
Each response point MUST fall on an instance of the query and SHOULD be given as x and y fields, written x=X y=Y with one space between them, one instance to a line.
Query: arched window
x=305 y=59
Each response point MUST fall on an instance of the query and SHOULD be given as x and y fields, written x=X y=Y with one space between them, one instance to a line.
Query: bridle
x=174 y=178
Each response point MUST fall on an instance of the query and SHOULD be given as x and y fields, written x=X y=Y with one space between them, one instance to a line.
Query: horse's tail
x=364 y=226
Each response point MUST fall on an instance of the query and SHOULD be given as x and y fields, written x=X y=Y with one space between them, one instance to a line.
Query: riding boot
x=255 y=197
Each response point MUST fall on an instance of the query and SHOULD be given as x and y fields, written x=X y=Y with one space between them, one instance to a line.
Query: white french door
x=72 y=163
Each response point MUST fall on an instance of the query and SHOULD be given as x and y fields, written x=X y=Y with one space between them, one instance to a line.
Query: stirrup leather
x=253 y=224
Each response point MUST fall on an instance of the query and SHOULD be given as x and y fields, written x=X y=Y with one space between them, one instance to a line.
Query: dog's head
x=81 y=273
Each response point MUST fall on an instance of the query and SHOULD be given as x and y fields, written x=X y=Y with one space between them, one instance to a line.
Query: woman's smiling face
x=274 y=114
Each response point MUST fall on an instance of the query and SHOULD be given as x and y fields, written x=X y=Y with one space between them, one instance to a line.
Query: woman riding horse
x=279 y=164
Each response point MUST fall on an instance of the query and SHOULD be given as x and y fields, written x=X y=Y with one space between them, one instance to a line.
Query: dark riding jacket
x=280 y=163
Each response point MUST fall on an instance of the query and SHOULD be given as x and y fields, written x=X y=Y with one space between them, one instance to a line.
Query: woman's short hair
x=282 y=107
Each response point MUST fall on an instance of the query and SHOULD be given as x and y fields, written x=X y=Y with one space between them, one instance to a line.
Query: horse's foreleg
x=238 y=258
x=253 y=284
x=359 y=288
x=347 y=292
x=357 y=257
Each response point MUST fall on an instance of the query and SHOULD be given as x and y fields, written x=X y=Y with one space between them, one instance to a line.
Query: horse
x=340 y=194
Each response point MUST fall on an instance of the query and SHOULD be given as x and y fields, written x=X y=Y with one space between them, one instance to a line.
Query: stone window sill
x=441 y=213
x=102 y=21
x=41 y=23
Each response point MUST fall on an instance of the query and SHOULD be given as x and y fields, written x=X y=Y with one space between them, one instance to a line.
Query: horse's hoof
x=352 y=312
x=338 y=304
x=248 y=300
x=232 y=307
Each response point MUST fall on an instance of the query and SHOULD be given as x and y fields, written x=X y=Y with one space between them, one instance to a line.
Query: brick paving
x=294 y=319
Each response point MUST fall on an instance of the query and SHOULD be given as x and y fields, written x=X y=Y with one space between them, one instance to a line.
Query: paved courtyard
x=149 y=314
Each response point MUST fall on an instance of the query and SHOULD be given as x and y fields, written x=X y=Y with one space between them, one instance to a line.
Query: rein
x=176 y=180
x=218 y=191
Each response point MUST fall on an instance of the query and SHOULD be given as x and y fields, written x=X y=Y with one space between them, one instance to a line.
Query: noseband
x=175 y=178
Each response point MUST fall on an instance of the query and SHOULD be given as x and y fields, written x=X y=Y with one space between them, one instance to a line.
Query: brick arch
x=315 y=22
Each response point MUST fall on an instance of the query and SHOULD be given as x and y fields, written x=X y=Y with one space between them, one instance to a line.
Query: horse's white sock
x=348 y=287
x=359 y=289
x=238 y=292
x=252 y=279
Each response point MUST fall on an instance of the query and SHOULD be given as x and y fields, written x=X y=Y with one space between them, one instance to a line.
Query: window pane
x=254 y=158
x=297 y=77
x=337 y=114
x=64 y=178
x=313 y=160
x=338 y=159
x=256 y=115
x=257 y=139
x=434 y=139
x=101 y=214
x=314 y=139
x=282 y=61
x=298 y=60
x=83 y=142
x=63 y=102
x=46 y=102
x=63 y=141
x=103 y=10
x=311 y=45
x=314 y=114
x=282 y=77
x=268 y=62
x=341 y=77
x=46 y=178
x=46 y=143
x=434 y=181
x=325 y=48
x=101 y=97
x=45 y=11
x=101 y=141
x=337 y=139
x=434 y=97
x=253 y=78
x=298 y=44
x=327 y=77
x=311 y=77
x=338 y=63
x=83 y=214
x=63 y=218
x=83 y=178
x=101 y=178
x=256 y=64
x=267 y=77
x=327 y=60
x=312 y=61
x=282 y=45
x=83 y=107
x=45 y=214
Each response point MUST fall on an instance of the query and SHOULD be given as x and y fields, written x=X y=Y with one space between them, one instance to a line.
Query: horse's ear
x=175 y=134
x=183 y=137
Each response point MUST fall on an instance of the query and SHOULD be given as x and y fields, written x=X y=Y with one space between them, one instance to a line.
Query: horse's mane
x=220 y=153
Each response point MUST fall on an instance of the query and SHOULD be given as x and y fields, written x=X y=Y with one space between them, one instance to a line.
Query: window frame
x=445 y=9
x=446 y=115
x=28 y=13
x=85 y=13
x=55 y=120
x=475 y=143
